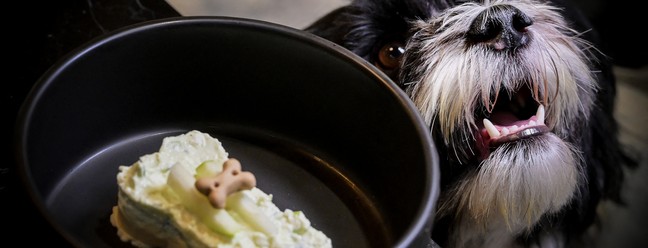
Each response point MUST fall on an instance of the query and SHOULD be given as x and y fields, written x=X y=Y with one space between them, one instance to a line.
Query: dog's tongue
x=504 y=127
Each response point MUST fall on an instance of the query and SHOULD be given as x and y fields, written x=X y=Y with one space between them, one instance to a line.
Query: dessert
x=190 y=194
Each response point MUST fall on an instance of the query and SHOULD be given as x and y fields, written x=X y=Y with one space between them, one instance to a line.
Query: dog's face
x=509 y=91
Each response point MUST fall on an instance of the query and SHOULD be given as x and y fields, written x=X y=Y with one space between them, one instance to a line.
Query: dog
x=519 y=101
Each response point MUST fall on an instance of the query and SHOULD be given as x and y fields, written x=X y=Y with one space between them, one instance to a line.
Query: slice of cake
x=190 y=194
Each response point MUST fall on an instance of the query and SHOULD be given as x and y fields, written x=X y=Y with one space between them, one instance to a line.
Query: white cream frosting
x=149 y=214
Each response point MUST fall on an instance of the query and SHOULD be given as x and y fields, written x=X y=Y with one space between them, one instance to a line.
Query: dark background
x=622 y=26
x=40 y=34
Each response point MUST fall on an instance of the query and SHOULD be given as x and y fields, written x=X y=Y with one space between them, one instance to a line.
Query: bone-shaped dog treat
x=228 y=181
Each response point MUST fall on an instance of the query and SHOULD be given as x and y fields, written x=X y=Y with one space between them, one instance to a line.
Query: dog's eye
x=389 y=56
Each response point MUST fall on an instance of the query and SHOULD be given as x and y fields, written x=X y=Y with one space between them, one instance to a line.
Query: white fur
x=514 y=187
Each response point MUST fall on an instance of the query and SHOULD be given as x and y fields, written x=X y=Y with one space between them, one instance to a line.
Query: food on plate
x=191 y=194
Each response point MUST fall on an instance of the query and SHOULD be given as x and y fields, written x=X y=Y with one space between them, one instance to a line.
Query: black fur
x=365 y=26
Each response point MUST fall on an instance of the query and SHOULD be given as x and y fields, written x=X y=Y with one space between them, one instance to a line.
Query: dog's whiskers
x=466 y=67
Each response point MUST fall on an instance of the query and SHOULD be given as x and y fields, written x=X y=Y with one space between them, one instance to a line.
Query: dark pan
x=323 y=131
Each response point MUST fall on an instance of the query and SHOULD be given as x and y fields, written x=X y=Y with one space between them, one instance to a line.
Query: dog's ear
x=333 y=26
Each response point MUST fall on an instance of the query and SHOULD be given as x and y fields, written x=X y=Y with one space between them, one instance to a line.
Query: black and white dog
x=519 y=101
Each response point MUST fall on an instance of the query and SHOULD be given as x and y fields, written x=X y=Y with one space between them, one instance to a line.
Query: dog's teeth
x=532 y=123
x=505 y=131
x=514 y=128
x=540 y=115
x=492 y=131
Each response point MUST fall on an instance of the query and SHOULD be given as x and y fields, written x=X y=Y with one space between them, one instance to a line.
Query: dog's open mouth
x=515 y=116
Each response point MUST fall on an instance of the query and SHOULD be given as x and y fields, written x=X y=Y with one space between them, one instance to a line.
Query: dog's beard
x=455 y=84
x=518 y=183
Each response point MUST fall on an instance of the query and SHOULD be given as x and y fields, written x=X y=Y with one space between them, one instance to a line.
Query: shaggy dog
x=519 y=102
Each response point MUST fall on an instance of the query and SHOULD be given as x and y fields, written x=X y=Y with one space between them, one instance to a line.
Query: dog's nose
x=501 y=26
